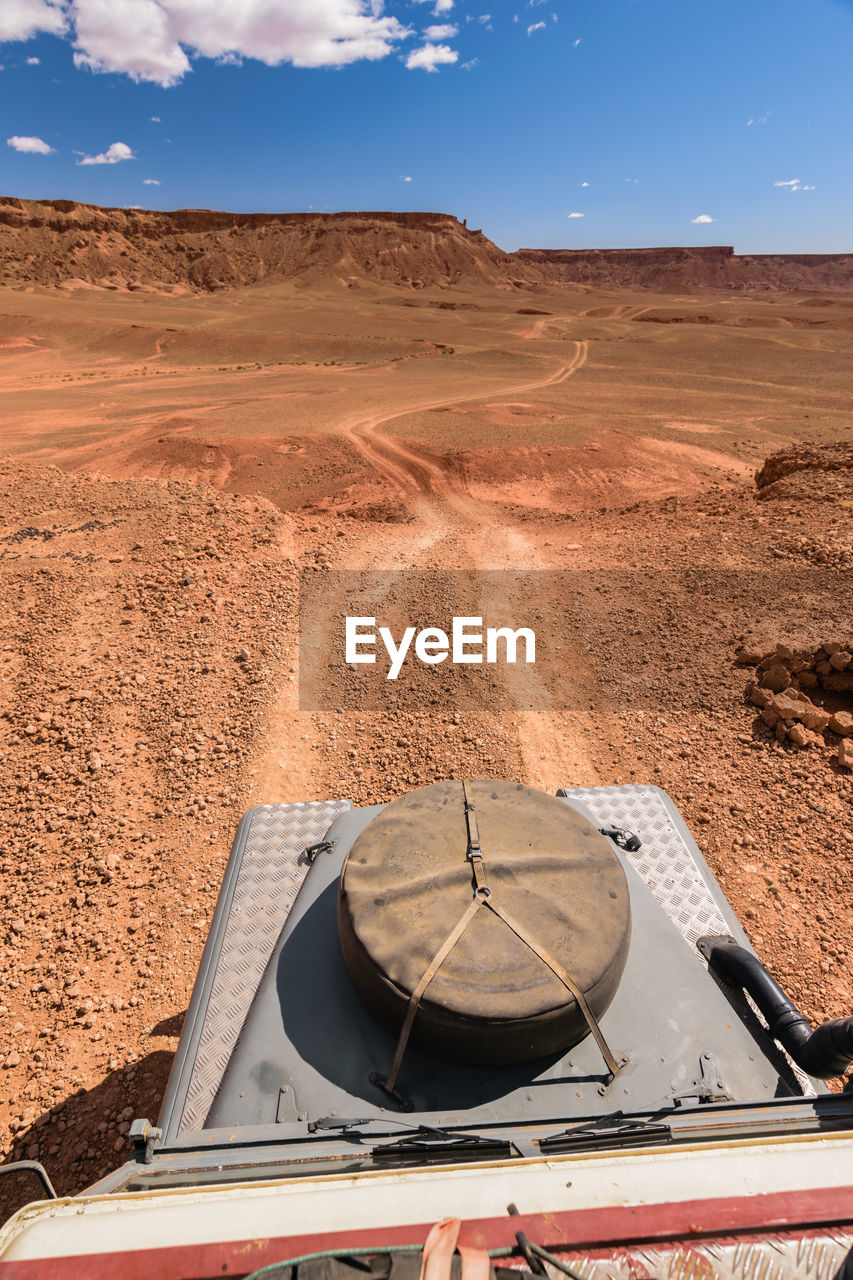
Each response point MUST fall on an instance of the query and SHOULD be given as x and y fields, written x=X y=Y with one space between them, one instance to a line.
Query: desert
x=204 y=412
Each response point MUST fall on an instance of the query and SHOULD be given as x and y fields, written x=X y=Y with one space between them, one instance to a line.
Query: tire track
x=413 y=471
x=460 y=532
x=452 y=530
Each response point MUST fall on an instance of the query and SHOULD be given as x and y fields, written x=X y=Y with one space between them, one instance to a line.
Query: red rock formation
x=674 y=269
x=48 y=242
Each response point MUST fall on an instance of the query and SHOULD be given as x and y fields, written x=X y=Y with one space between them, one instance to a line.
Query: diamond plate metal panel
x=664 y=862
x=667 y=867
x=271 y=872
x=817 y=1257
x=273 y=868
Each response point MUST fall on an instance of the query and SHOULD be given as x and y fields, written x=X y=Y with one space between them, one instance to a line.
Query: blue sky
x=548 y=123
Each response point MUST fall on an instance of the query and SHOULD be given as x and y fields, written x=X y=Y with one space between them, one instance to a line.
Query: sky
x=547 y=123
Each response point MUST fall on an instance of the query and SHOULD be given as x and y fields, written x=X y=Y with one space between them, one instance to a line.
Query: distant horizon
x=552 y=124
x=435 y=213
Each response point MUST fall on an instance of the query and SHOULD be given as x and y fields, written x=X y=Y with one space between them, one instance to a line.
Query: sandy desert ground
x=173 y=464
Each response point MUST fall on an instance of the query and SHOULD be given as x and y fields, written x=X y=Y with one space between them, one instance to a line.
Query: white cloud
x=153 y=40
x=439 y=7
x=20 y=19
x=34 y=146
x=154 y=119
x=583 y=184
x=405 y=178
x=576 y=43
x=484 y=18
x=576 y=215
x=703 y=217
x=794 y=184
x=114 y=153
x=442 y=31
x=430 y=56
x=33 y=62
x=535 y=26
x=470 y=64
x=150 y=182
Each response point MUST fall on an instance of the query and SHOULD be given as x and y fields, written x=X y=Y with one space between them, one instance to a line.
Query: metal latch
x=323 y=846
x=710 y=1087
x=143 y=1134
x=625 y=839
x=713 y=1085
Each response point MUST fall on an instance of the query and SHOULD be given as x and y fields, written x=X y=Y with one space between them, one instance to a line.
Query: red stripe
x=575 y=1229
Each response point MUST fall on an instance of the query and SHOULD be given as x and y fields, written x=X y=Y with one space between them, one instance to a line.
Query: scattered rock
x=838 y=682
x=803 y=737
x=777 y=677
x=758 y=696
x=779 y=690
x=842 y=724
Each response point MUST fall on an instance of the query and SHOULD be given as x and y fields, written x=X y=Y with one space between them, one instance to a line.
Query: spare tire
x=407 y=881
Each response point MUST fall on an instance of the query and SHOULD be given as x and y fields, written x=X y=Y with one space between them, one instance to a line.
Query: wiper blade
x=443 y=1143
x=598 y=1135
x=420 y=1139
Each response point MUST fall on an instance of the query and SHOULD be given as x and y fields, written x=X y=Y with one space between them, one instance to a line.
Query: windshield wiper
x=610 y=1131
x=419 y=1139
x=451 y=1143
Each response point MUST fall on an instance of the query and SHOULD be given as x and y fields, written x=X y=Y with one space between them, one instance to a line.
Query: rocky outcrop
x=804 y=456
x=788 y=672
x=52 y=242
x=676 y=269
x=820 y=475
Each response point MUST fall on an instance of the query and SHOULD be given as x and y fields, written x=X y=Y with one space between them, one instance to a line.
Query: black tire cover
x=407 y=881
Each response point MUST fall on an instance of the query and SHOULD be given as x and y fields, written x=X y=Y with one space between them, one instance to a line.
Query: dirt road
x=459 y=531
x=449 y=529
